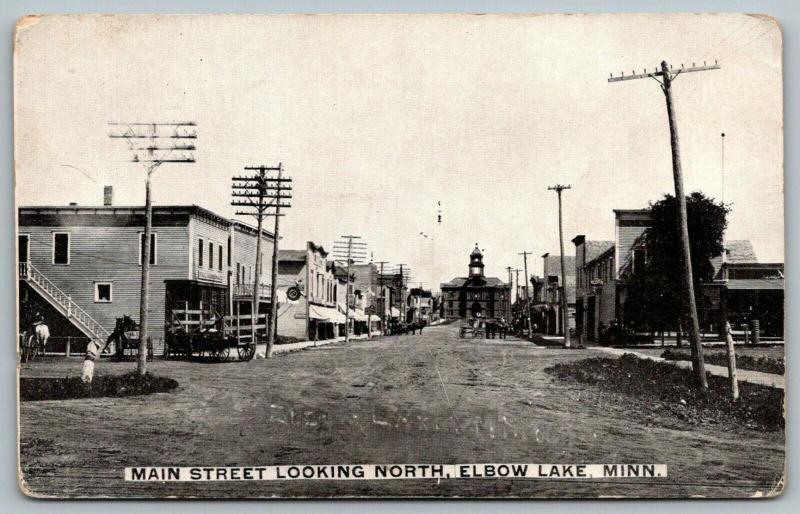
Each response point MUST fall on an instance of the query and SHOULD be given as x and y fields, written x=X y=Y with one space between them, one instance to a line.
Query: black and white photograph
x=399 y=256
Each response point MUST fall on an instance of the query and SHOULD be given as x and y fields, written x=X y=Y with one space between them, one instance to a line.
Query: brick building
x=475 y=295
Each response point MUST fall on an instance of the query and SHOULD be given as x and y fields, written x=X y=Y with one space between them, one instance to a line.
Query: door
x=476 y=309
x=591 y=329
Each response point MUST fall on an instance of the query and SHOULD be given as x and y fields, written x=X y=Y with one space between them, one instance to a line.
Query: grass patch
x=763 y=364
x=70 y=388
x=669 y=393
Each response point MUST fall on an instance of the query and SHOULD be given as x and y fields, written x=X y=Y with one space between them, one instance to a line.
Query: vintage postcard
x=487 y=256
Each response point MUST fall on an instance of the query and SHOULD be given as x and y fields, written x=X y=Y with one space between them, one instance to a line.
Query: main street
x=425 y=398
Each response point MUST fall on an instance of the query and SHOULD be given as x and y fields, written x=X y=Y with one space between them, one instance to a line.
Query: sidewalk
x=744 y=375
x=261 y=349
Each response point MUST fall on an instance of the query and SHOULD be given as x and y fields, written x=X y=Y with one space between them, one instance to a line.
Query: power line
x=668 y=75
x=263 y=194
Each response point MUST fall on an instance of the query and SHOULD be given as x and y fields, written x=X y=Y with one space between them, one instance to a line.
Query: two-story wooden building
x=307 y=292
x=81 y=267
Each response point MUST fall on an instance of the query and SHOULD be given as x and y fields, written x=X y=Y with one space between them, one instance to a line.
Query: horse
x=36 y=342
x=93 y=349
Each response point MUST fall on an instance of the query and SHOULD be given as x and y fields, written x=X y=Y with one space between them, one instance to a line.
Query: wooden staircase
x=63 y=303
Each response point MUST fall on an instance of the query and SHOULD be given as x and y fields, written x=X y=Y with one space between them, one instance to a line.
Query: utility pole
x=348 y=248
x=153 y=144
x=510 y=286
x=263 y=195
x=383 y=296
x=403 y=273
x=668 y=75
x=527 y=295
x=558 y=188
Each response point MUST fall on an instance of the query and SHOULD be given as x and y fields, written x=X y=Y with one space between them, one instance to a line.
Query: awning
x=319 y=313
x=358 y=315
x=337 y=317
x=774 y=284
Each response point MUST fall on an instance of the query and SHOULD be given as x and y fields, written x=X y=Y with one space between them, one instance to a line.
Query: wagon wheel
x=24 y=350
x=33 y=348
x=223 y=353
x=247 y=352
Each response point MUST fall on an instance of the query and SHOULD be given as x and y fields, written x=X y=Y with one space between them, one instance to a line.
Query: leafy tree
x=655 y=300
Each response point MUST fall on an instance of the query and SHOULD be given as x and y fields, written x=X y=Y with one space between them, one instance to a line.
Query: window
x=23 y=244
x=153 y=247
x=210 y=255
x=102 y=292
x=238 y=271
x=219 y=257
x=229 y=251
x=60 y=248
x=200 y=249
x=639 y=257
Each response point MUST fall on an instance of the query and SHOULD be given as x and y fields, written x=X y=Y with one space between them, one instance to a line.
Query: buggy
x=474 y=328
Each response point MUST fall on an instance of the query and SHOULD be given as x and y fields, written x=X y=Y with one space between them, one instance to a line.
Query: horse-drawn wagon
x=474 y=327
x=208 y=339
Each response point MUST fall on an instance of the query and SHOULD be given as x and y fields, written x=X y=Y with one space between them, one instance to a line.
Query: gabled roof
x=552 y=264
x=596 y=248
x=461 y=281
x=292 y=255
x=737 y=251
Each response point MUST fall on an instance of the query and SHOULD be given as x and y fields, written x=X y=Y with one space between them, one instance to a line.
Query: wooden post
x=238 y=321
x=67 y=350
x=686 y=255
x=731 y=362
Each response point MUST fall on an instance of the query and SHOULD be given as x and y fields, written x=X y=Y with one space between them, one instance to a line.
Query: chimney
x=108 y=196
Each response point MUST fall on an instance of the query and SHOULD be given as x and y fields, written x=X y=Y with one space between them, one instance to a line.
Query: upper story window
x=210 y=255
x=103 y=292
x=61 y=248
x=219 y=257
x=200 y=250
x=153 y=248
x=229 y=251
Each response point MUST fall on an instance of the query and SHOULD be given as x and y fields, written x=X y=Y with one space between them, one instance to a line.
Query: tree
x=654 y=300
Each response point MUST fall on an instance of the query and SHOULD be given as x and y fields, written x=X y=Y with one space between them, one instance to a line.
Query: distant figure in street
x=502 y=327
x=421 y=326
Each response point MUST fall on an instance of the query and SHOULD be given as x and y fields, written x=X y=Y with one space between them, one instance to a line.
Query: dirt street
x=428 y=398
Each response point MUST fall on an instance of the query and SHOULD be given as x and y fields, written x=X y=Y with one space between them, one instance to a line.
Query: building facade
x=550 y=289
x=475 y=295
x=81 y=267
x=307 y=292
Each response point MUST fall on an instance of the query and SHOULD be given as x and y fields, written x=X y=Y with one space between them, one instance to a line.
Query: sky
x=380 y=118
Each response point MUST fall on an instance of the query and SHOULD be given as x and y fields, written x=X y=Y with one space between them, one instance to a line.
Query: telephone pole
x=383 y=296
x=348 y=248
x=510 y=286
x=668 y=75
x=153 y=144
x=527 y=295
x=263 y=195
x=558 y=188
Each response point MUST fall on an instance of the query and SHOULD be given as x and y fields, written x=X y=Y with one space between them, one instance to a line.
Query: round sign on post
x=293 y=293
